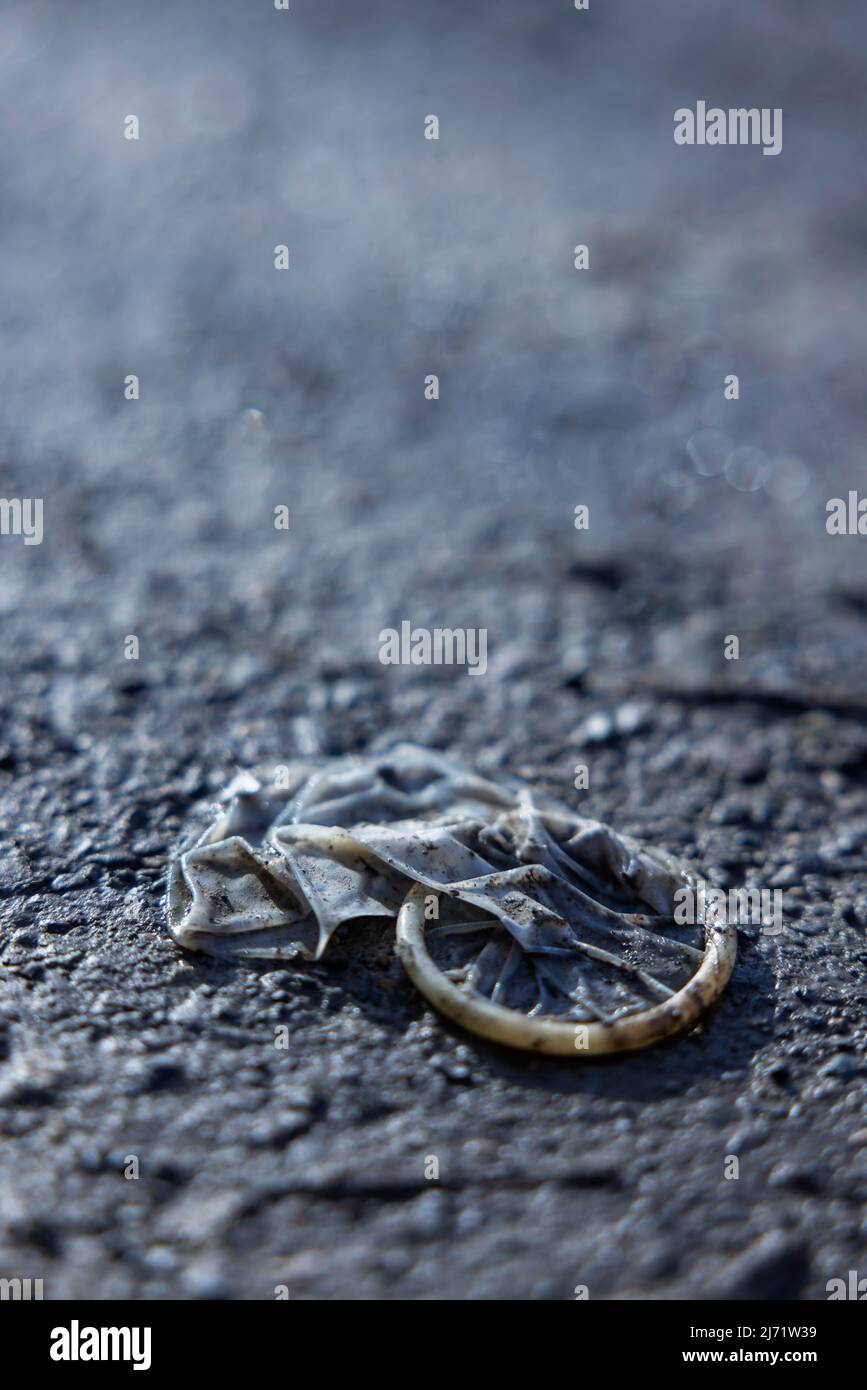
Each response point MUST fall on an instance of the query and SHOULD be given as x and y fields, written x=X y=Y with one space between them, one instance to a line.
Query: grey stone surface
x=306 y=1167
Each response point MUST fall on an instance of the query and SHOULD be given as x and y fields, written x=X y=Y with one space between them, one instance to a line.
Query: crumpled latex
x=294 y=854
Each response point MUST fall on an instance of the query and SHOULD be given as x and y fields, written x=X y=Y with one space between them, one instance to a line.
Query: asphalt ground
x=306 y=1167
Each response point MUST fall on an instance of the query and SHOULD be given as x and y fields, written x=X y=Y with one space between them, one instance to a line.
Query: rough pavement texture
x=306 y=1167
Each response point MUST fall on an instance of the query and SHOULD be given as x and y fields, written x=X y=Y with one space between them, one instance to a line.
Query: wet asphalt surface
x=307 y=1167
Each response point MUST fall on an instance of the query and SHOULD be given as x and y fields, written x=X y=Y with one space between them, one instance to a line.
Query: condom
x=520 y=920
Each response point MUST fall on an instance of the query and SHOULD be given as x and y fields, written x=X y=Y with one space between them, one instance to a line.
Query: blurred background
x=306 y=388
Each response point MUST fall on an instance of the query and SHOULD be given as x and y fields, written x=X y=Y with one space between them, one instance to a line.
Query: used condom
x=522 y=921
